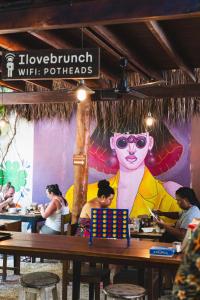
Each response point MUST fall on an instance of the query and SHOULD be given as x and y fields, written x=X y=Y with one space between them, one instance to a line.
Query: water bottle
x=188 y=236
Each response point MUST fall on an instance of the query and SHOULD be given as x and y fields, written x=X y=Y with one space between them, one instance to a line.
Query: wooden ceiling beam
x=89 y=13
x=16 y=86
x=88 y=32
x=8 y=43
x=174 y=91
x=123 y=51
x=100 y=43
x=165 y=43
x=51 y=39
x=60 y=96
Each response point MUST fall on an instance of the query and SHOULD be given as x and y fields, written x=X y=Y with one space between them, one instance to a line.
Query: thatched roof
x=108 y=113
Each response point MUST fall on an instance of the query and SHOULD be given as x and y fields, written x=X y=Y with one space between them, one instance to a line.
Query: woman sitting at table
x=52 y=213
x=104 y=198
x=190 y=205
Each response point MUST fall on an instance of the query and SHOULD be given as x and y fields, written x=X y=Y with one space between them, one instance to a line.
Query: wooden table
x=5 y=223
x=77 y=249
x=29 y=217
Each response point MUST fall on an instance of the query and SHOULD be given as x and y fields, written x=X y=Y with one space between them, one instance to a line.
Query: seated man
x=6 y=198
x=188 y=202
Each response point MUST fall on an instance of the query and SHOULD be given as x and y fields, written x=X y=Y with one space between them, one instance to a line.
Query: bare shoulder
x=86 y=210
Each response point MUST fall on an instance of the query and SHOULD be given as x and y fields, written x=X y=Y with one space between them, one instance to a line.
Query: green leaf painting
x=2 y=110
x=12 y=172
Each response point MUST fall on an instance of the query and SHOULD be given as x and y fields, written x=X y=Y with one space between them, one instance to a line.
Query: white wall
x=18 y=162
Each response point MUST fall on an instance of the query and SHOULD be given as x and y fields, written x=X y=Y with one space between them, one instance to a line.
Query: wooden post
x=80 y=158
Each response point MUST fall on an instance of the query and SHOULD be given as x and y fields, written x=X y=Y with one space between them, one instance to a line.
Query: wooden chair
x=11 y=226
x=65 y=220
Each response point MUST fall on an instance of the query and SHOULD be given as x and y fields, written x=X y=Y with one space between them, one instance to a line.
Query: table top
x=67 y=247
x=20 y=216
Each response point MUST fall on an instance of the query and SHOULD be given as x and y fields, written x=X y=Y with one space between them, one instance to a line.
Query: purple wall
x=180 y=173
x=53 y=150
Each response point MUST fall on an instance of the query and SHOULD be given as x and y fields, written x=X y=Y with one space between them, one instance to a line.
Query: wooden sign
x=47 y=64
x=79 y=159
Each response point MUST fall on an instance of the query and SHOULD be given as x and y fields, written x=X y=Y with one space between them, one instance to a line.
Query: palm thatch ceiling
x=159 y=38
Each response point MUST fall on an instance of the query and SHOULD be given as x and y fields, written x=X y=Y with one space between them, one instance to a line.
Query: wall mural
x=167 y=162
x=11 y=171
x=148 y=167
x=33 y=161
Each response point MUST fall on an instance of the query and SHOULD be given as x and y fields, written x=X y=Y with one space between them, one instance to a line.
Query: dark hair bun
x=102 y=184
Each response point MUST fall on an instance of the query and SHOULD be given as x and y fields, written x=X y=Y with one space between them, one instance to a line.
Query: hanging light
x=149 y=120
x=83 y=91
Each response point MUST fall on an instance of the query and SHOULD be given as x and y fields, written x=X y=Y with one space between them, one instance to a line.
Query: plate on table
x=147 y=229
x=12 y=210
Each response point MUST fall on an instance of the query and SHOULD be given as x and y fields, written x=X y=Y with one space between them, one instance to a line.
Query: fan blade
x=137 y=94
x=151 y=83
x=108 y=94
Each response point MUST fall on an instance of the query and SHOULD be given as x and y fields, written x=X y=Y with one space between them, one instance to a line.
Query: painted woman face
x=131 y=149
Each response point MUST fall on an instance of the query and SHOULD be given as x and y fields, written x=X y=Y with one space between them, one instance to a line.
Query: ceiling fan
x=122 y=89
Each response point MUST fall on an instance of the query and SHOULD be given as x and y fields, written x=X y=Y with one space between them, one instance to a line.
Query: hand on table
x=160 y=223
x=40 y=207
x=157 y=212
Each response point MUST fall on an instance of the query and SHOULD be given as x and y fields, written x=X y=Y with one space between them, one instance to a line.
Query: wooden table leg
x=141 y=273
x=4 y=272
x=76 y=280
x=64 y=279
x=33 y=226
x=33 y=230
x=150 y=287
x=16 y=265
